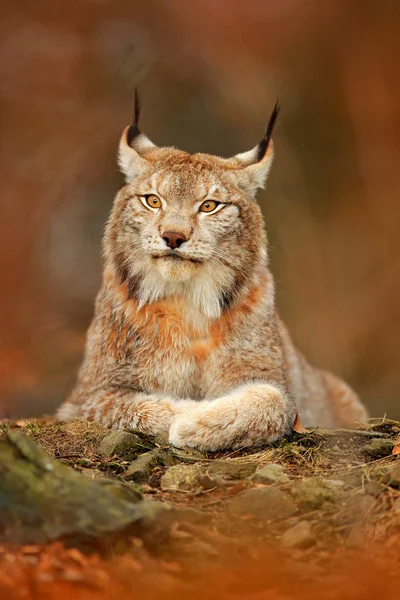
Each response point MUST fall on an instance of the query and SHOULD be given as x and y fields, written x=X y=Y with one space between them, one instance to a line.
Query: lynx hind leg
x=251 y=415
x=347 y=409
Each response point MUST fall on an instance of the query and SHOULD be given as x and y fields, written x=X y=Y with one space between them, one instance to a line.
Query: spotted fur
x=187 y=343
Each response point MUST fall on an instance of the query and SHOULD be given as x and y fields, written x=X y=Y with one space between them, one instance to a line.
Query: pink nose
x=174 y=239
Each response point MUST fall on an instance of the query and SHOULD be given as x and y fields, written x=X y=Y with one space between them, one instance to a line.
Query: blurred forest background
x=209 y=72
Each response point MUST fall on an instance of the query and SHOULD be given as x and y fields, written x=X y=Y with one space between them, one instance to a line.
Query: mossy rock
x=121 y=443
x=312 y=493
x=42 y=500
x=184 y=478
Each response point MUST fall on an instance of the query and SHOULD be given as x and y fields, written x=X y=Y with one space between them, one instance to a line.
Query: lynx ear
x=133 y=146
x=257 y=162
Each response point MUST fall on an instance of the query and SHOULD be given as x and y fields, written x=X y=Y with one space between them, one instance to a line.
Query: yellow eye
x=153 y=201
x=209 y=206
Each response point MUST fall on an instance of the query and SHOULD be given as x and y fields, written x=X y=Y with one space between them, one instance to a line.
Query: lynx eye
x=153 y=201
x=209 y=205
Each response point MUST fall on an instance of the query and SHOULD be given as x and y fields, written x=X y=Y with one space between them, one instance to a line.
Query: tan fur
x=192 y=346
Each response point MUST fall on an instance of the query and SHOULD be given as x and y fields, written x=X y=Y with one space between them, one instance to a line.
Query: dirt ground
x=314 y=516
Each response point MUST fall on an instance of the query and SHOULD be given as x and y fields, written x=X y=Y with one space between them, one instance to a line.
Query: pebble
x=184 y=478
x=122 y=443
x=312 y=493
x=272 y=473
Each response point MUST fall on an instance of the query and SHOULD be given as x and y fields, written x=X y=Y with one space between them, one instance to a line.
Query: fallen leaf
x=396 y=449
x=297 y=426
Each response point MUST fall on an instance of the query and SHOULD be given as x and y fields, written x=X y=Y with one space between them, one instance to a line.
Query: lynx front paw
x=251 y=415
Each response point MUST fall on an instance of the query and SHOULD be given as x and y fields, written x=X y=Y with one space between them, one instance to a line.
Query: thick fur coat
x=186 y=340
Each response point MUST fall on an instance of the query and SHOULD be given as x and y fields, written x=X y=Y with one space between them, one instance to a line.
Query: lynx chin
x=186 y=340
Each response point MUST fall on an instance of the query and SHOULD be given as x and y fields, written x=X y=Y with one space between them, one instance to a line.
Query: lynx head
x=188 y=225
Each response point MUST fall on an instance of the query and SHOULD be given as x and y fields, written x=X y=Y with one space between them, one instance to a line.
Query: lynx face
x=182 y=220
x=186 y=225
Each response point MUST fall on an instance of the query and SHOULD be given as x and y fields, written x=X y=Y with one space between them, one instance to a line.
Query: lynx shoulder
x=185 y=340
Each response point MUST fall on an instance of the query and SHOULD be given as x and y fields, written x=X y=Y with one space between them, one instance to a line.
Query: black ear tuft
x=134 y=130
x=263 y=145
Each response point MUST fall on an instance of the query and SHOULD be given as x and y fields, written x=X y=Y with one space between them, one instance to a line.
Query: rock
x=186 y=454
x=43 y=500
x=186 y=478
x=311 y=494
x=335 y=484
x=231 y=469
x=140 y=469
x=396 y=504
x=391 y=475
x=263 y=503
x=299 y=536
x=272 y=473
x=121 y=443
x=379 y=448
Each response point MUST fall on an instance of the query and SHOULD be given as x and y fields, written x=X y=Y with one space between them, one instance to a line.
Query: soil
x=319 y=512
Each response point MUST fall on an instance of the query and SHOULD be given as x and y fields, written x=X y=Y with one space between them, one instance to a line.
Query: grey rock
x=140 y=469
x=189 y=455
x=231 y=469
x=263 y=503
x=121 y=443
x=272 y=473
x=181 y=478
x=311 y=494
x=43 y=500
x=379 y=448
x=335 y=484
x=299 y=536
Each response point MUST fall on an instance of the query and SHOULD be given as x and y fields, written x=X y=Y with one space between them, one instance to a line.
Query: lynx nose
x=174 y=239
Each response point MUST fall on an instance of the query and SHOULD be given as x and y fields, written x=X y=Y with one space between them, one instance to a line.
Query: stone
x=299 y=536
x=120 y=443
x=186 y=454
x=272 y=473
x=140 y=469
x=311 y=494
x=335 y=484
x=379 y=448
x=396 y=504
x=263 y=503
x=231 y=469
x=183 y=478
x=43 y=500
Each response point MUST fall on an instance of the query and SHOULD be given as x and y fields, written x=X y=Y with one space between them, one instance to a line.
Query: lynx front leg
x=124 y=408
x=250 y=415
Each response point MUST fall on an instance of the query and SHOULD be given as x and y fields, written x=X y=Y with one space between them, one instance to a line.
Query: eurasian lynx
x=186 y=340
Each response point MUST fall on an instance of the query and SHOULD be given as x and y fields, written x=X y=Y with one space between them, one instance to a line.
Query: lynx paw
x=252 y=415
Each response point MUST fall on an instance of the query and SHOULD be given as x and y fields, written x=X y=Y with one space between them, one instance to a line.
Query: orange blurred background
x=209 y=73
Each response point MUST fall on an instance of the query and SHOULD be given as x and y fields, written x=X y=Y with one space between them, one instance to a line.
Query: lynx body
x=185 y=340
